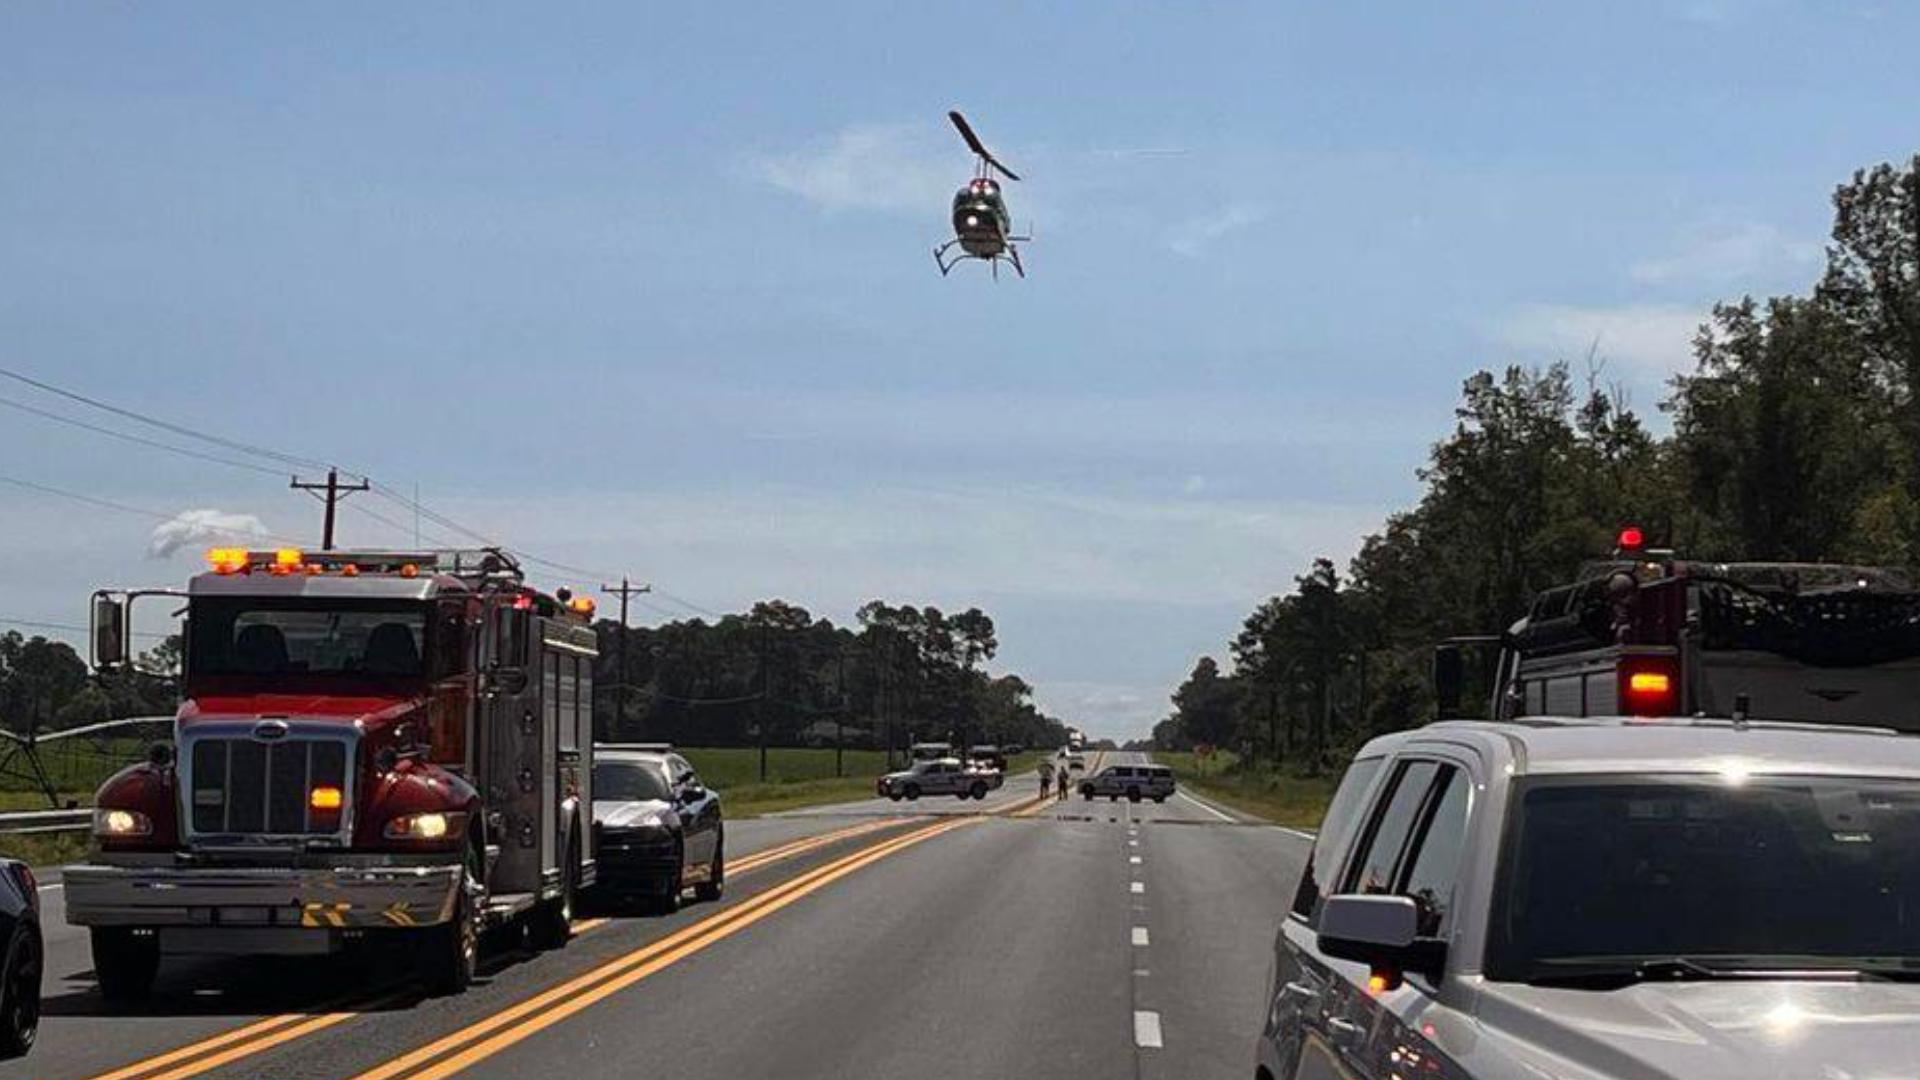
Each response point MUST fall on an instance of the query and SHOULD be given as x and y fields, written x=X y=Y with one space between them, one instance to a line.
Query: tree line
x=774 y=673
x=780 y=675
x=1795 y=436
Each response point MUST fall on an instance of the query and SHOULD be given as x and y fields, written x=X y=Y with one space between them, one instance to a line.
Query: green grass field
x=1277 y=796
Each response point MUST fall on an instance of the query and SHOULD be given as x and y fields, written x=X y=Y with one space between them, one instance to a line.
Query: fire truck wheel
x=125 y=962
x=450 y=952
x=716 y=883
x=553 y=921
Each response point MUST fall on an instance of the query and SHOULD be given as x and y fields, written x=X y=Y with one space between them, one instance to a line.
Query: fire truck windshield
x=247 y=636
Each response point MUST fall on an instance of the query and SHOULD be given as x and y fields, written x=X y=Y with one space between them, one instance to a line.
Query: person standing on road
x=1046 y=778
x=1064 y=777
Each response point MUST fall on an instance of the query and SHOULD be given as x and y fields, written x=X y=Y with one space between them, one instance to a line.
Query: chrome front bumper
x=281 y=898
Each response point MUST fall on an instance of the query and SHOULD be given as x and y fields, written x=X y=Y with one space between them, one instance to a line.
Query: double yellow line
x=468 y=1046
x=265 y=1034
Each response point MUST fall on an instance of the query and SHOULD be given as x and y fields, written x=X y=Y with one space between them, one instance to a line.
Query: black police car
x=657 y=828
x=22 y=958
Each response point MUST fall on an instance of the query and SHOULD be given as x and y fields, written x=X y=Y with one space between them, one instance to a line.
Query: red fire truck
x=1648 y=634
x=373 y=747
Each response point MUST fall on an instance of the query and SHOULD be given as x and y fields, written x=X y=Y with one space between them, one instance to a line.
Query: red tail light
x=1649 y=686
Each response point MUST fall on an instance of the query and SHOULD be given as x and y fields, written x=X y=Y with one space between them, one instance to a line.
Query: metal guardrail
x=44 y=821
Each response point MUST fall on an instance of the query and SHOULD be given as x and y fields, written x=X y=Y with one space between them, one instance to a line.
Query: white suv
x=1134 y=781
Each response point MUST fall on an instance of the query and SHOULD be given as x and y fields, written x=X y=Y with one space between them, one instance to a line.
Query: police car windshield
x=251 y=637
x=1777 y=871
x=629 y=781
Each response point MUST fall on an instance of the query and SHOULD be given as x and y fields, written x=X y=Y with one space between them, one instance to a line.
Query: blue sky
x=646 y=288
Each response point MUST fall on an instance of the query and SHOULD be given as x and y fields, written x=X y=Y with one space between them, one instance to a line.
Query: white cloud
x=1721 y=253
x=1644 y=341
x=1192 y=236
x=891 y=168
x=194 y=527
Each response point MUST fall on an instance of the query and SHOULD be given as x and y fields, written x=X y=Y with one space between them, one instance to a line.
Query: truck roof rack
x=648 y=747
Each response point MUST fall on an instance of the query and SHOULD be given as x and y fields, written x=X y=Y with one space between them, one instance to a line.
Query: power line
x=164 y=425
x=108 y=504
x=138 y=439
x=8 y=620
x=297 y=460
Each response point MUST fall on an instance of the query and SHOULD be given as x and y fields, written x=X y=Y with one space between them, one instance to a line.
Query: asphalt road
x=876 y=939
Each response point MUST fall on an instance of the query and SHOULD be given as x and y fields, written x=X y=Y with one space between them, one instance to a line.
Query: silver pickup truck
x=947 y=776
x=1605 y=898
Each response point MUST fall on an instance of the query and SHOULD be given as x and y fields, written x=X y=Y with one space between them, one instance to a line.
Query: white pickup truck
x=1604 y=898
x=946 y=776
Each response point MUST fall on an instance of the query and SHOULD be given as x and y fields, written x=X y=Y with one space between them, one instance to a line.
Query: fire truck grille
x=242 y=787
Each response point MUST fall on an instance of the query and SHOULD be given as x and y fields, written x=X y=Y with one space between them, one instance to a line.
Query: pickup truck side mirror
x=1381 y=932
x=693 y=791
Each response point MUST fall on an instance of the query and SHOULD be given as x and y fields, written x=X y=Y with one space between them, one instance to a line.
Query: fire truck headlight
x=121 y=823
x=433 y=825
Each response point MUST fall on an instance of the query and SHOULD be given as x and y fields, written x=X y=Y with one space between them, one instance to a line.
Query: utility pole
x=626 y=590
x=765 y=688
x=840 y=716
x=335 y=491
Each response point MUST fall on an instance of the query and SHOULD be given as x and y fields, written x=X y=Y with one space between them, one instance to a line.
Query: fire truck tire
x=125 y=962
x=449 y=953
x=553 y=920
x=913 y=791
x=716 y=883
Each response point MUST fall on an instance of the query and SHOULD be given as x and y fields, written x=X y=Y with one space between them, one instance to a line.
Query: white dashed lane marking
x=1140 y=935
x=1139 y=886
x=1134 y=859
x=1146 y=1029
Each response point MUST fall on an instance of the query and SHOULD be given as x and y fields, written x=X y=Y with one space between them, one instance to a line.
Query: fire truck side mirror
x=109 y=632
x=1449 y=680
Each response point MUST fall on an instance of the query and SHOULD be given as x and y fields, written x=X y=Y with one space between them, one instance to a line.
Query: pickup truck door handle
x=1299 y=990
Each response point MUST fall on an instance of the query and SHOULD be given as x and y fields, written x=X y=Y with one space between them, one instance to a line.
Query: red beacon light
x=1631 y=540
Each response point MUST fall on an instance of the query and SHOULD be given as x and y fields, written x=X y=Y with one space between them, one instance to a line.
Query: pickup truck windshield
x=255 y=637
x=1768 y=871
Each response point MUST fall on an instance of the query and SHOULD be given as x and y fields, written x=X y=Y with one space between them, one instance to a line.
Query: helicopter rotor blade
x=974 y=144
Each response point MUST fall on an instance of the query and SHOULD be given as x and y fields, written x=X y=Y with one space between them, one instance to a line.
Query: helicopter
x=981 y=225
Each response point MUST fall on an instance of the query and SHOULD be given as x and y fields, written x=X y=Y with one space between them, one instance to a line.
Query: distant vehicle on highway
x=930 y=751
x=987 y=756
x=658 y=829
x=948 y=776
x=1136 y=782
x=1077 y=761
x=1607 y=897
x=23 y=958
